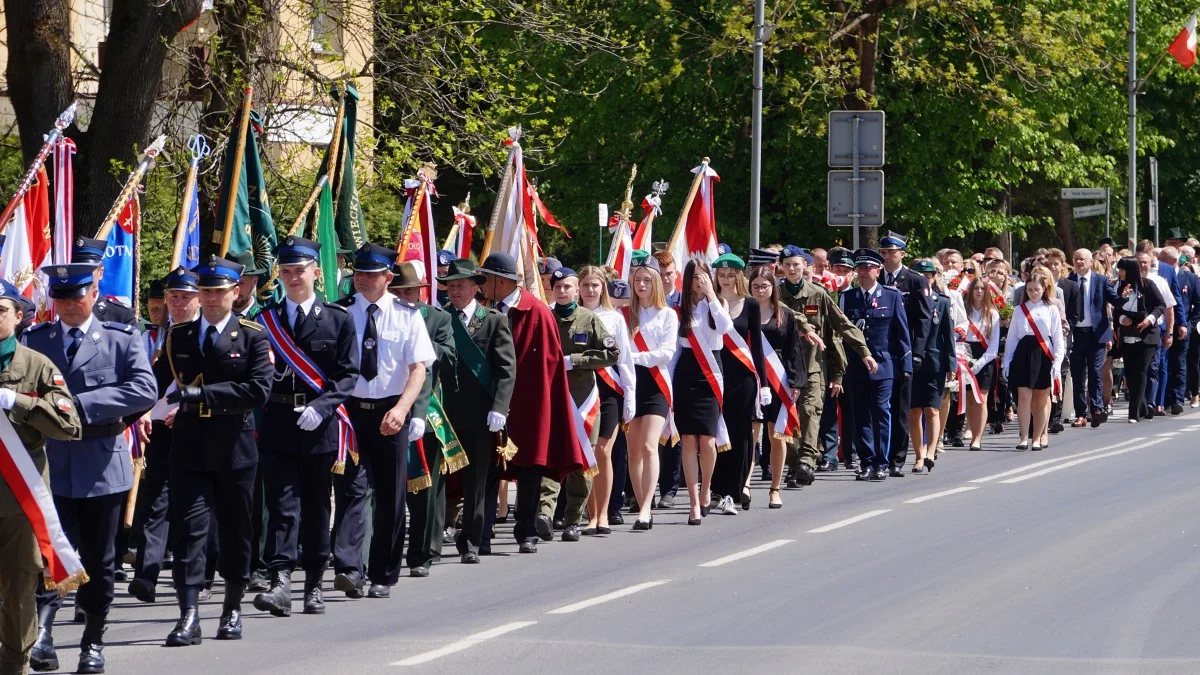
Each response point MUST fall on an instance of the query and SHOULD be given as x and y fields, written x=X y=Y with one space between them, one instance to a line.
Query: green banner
x=327 y=283
x=351 y=231
x=252 y=224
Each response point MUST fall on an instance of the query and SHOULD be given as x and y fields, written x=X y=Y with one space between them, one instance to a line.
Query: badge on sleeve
x=57 y=380
x=580 y=338
x=609 y=342
x=811 y=310
x=64 y=404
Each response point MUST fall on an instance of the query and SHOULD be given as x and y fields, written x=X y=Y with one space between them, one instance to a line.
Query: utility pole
x=760 y=30
x=1133 y=87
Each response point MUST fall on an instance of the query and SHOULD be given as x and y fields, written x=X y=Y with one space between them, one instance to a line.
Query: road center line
x=935 y=495
x=465 y=643
x=1077 y=462
x=747 y=553
x=1168 y=434
x=1027 y=467
x=601 y=599
x=849 y=521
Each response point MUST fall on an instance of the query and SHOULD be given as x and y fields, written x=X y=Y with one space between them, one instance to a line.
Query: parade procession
x=271 y=374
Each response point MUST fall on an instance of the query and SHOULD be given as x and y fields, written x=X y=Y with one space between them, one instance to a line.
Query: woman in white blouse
x=696 y=379
x=653 y=331
x=983 y=341
x=617 y=393
x=1033 y=359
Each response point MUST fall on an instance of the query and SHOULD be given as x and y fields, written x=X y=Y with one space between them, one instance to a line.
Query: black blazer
x=466 y=399
x=1068 y=290
x=1149 y=303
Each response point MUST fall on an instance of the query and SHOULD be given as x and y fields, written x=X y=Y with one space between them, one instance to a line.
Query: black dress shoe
x=470 y=559
x=571 y=533
x=187 y=630
x=896 y=472
x=615 y=518
x=1096 y=421
x=230 y=627
x=314 y=600
x=822 y=466
x=602 y=530
x=695 y=521
x=804 y=475
x=420 y=572
x=878 y=474
x=587 y=532
x=852 y=466
x=351 y=583
x=278 y=600
x=957 y=442
x=91 y=645
x=640 y=525
x=142 y=589
x=559 y=524
x=379 y=591
x=528 y=546
x=1056 y=428
x=544 y=527
x=1176 y=409
x=865 y=474
x=43 y=657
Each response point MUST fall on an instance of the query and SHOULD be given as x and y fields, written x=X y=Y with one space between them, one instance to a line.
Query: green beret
x=729 y=260
x=924 y=267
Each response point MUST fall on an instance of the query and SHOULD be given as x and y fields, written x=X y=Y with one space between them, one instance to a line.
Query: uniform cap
x=618 y=289
x=445 y=257
x=868 y=257
x=374 y=258
x=181 y=279
x=729 y=260
x=549 y=265
x=924 y=267
x=297 y=251
x=791 y=251
x=643 y=259
x=560 y=274
x=88 y=250
x=69 y=281
x=893 y=241
x=218 y=273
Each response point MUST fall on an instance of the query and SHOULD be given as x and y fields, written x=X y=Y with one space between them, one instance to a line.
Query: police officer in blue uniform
x=91 y=252
x=300 y=436
x=918 y=310
x=108 y=374
x=878 y=311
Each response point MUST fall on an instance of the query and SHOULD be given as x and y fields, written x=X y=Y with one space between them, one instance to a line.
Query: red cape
x=541 y=417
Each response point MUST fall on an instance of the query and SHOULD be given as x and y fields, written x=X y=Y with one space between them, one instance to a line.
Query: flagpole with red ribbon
x=62 y=122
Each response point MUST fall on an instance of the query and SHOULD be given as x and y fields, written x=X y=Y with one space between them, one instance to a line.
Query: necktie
x=501 y=307
x=299 y=322
x=1087 y=302
x=210 y=339
x=462 y=316
x=370 y=354
x=891 y=279
x=73 y=348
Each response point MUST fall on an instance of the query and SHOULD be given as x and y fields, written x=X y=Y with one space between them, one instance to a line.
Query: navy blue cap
x=841 y=258
x=218 y=273
x=181 y=279
x=759 y=257
x=893 y=241
x=618 y=289
x=722 y=249
x=548 y=265
x=88 y=250
x=791 y=251
x=8 y=290
x=297 y=251
x=869 y=257
x=445 y=257
x=560 y=274
x=69 y=281
x=374 y=258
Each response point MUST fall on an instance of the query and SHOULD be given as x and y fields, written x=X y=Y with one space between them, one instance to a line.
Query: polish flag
x=643 y=235
x=695 y=234
x=1184 y=46
x=28 y=246
x=620 y=254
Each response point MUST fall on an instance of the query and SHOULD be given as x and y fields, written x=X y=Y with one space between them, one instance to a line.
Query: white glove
x=1005 y=373
x=495 y=421
x=8 y=398
x=630 y=406
x=416 y=428
x=567 y=359
x=309 y=419
x=764 y=396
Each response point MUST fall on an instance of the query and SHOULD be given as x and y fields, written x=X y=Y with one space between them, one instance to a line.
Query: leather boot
x=91 y=645
x=42 y=657
x=187 y=630
x=278 y=600
x=230 y=627
x=314 y=601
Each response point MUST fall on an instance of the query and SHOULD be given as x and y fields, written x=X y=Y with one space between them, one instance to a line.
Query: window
x=327 y=26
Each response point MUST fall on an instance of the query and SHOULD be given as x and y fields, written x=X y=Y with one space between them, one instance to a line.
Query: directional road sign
x=840 y=202
x=1083 y=193
x=1090 y=210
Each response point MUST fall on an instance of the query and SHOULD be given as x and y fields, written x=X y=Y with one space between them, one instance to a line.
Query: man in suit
x=1186 y=314
x=218 y=368
x=478 y=395
x=878 y=311
x=109 y=377
x=106 y=308
x=303 y=437
x=918 y=310
x=1068 y=292
x=1092 y=334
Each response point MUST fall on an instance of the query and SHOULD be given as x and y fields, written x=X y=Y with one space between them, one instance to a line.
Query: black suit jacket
x=235 y=377
x=1068 y=290
x=107 y=309
x=918 y=306
x=466 y=398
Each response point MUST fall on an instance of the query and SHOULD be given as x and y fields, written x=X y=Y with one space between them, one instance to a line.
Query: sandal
x=776 y=502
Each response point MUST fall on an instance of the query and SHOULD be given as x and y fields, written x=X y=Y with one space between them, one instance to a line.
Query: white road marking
x=747 y=553
x=849 y=521
x=1077 y=462
x=935 y=495
x=465 y=643
x=600 y=599
x=1027 y=467
x=1168 y=434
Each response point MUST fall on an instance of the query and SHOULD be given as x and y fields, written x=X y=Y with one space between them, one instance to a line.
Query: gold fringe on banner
x=417 y=484
x=71 y=583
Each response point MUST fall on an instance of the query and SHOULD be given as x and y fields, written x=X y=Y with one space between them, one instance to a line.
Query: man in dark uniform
x=444 y=258
x=246 y=306
x=918 y=310
x=109 y=377
x=91 y=252
x=303 y=432
x=218 y=369
x=482 y=386
x=427 y=506
x=394 y=356
x=878 y=311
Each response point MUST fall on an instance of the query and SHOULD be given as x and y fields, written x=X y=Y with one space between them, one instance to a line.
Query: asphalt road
x=1084 y=558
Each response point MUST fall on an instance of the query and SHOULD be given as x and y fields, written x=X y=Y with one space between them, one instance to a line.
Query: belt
x=104 y=430
x=374 y=403
x=293 y=400
x=205 y=411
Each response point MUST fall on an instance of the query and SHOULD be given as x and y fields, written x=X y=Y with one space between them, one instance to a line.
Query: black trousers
x=529 y=496
x=91 y=525
x=1137 y=357
x=901 y=399
x=258 y=522
x=297 y=498
x=670 y=465
x=620 y=465
x=477 y=477
x=151 y=516
x=427 y=510
x=1193 y=364
x=204 y=501
x=382 y=466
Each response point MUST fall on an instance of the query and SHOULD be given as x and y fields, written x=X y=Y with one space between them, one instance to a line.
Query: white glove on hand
x=416 y=428
x=567 y=359
x=764 y=396
x=630 y=406
x=8 y=398
x=495 y=421
x=309 y=419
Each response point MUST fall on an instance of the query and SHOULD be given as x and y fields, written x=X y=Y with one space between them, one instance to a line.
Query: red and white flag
x=695 y=233
x=465 y=226
x=644 y=234
x=419 y=242
x=64 y=201
x=28 y=245
x=1184 y=46
x=620 y=253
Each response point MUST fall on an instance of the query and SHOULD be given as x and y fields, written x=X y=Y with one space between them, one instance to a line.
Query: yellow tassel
x=139 y=464
x=353 y=456
x=415 y=485
x=592 y=472
x=339 y=468
x=71 y=583
x=779 y=436
x=456 y=463
x=723 y=448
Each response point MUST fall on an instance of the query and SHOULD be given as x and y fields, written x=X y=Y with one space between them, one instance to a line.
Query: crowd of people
x=265 y=440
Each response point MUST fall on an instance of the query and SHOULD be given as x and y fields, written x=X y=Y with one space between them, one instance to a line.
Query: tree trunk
x=39 y=67
x=1063 y=223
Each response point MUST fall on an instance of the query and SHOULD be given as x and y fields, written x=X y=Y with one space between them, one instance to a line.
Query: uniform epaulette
x=401 y=302
x=37 y=326
x=248 y=323
x=116 y=301
x=334 y=305
x=346 y=301
x=114 y=325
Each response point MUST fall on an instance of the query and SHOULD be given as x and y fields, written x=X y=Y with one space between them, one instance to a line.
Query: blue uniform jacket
x=110 y=379
x=885 y=326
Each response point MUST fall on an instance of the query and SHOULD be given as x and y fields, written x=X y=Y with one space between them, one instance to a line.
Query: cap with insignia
x=618 y=289
x=924 y=266
x=155 y=290
x=723 y=249
x=249 y=264
x=560 y=274
x=548 y=265
x=643 y=259
x=69 y=281
x=445 y=257
x=791 y=251
x=893 y=241
x=841 y=257
x=759 y=257
x=218 y=273
x=868 y=257
x=8 y=290
x=374 y=258
x=181 y=279
x=407 y=275
x=297 y=251
x=88 y=250
x=730 y=261
x=1175 y=233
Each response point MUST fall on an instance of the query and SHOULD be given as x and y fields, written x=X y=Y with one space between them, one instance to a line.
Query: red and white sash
x=737 y=345
x=662 y=377
x=307 y=370
x=64 y=571
x=585 y=418
x=966 y=377
x=712 y=373
x=787 y=423
x=1056 y=387
x=611 y=378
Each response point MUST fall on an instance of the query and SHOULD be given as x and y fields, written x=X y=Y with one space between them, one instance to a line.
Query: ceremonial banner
x=326 y=235
x=418 y=243
x=695 y=233
x=253 y=227
x=191 y=242
x=28 y=246
x=348 y=216
x=651 y=209
x=64 y=201
x=464 y=232
x=120 y=256
x=620 y=253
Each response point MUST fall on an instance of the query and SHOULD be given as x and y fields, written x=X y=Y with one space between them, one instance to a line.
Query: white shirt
x=614 y=323
x=512 y=300
x=1085 y=291
x=204 y=324
x=1049 y=323
x=1164 y=289
x=992 y=337
x=708 y=337
x=402 y=342
x=660 y=329
x=85 y=327
x=291 y=309
x=464 y=315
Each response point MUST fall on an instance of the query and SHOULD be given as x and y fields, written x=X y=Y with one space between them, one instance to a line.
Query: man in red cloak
x=540 y=420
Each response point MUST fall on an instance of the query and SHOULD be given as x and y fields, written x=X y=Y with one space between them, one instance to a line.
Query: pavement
x=1081 y=558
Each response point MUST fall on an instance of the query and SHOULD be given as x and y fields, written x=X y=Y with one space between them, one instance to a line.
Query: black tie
x=73 y=348
x=891 y=279
x=210 y=339
x=298 y=324
x=370 y=354
x=501 y=308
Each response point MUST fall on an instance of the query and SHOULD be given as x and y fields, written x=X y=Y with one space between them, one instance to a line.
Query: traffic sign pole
x=856 y=185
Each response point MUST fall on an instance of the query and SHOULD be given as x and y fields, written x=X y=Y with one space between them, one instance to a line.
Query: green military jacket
x=816 y=311
x=587 y=342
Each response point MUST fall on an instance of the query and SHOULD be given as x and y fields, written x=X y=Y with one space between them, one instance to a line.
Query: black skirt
x=987 y=374
x=1029 y=368
x=611 y=404
x=927 y=390
x=696 y=408
x=649 y=398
